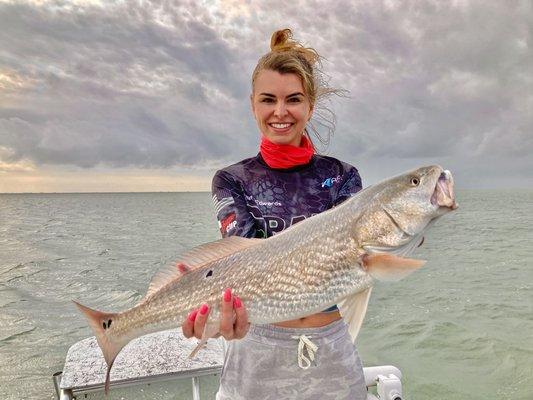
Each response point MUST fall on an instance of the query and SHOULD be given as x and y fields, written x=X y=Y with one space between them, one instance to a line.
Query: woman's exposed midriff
x=311 y=321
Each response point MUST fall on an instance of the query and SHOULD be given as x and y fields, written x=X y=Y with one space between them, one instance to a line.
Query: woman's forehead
x=273 y=82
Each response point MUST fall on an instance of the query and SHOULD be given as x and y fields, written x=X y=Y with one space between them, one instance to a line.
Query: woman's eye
x=294 y=100
x=267 y=100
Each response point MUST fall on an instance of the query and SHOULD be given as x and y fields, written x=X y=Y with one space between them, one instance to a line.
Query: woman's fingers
x=188 y=325
x=200 y=320
x=241 y=319
x=233 y=319
x=226 y=315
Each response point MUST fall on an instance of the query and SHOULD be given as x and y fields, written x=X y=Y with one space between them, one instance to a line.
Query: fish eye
x=415 y=181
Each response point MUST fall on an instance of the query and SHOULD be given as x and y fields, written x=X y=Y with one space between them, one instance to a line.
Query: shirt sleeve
x=231 y=210
x=350 y=186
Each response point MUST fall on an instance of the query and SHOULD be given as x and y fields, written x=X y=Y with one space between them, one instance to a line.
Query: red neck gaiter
x=282 y=156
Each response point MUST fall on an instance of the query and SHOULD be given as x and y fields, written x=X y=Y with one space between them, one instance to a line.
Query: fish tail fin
x=101 y=322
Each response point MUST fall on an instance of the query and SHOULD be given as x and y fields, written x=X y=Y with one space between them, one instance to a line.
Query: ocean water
x=460 y=328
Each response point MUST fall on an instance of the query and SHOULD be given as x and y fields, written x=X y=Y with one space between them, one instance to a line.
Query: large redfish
x=331 y=258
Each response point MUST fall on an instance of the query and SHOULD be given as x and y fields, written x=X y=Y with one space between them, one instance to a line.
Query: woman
x=311 y=357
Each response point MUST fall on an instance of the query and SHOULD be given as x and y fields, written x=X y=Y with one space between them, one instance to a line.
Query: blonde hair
x=288 y=56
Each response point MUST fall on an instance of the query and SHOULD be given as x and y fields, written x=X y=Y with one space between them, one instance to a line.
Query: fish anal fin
x=353 y=310
x=196 y=258
x=211 y=330
x=389 y=267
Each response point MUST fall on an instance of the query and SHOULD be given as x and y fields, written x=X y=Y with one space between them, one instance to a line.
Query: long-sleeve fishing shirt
x=253 y=200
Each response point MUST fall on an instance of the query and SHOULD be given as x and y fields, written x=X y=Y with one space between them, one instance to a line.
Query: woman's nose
x=280 y=110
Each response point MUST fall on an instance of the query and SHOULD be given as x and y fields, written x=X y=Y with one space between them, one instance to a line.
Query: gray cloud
x=166 y=84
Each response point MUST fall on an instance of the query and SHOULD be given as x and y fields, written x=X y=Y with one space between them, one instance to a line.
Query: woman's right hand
x=233 y=319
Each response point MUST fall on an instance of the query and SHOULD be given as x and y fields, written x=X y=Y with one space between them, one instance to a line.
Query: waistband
x=285 y=336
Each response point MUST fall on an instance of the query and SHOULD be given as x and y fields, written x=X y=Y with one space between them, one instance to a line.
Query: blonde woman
x=311 y=357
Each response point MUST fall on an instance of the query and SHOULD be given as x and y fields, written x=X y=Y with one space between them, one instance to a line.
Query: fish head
x=416 y=198
x=395 y=214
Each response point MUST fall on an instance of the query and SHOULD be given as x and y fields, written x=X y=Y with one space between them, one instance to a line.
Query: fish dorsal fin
x=209 y=252
x=353 y=310
x=197 y=258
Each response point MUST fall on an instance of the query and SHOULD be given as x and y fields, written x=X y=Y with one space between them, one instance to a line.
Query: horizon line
x=209 y=191
x=98 y=192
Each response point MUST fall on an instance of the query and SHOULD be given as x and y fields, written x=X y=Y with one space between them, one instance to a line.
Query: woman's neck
x=283 y=156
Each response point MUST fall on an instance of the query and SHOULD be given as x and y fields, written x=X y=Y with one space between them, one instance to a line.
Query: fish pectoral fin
x=353 y=310
x=211 y=330
x=388 y=267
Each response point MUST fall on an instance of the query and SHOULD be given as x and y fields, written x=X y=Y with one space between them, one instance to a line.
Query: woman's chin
x=284 y=139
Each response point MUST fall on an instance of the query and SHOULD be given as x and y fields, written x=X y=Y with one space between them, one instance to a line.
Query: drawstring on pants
x=304 y=342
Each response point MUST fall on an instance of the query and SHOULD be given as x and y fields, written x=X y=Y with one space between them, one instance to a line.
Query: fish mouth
x=443 y=195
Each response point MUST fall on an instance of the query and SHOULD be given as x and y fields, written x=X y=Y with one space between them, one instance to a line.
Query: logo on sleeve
x=228 y=223
x=331 y=181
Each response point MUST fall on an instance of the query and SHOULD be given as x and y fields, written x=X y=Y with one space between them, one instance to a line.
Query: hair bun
x=282 y=41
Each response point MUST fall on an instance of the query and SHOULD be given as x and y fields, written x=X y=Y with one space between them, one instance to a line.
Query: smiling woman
x=313 y=356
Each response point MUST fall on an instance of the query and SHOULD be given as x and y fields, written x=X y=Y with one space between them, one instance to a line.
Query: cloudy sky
x=153 y=96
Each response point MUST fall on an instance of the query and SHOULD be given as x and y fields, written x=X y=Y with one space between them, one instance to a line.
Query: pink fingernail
x=192 y=315
x=227 y=295
x=203 y=309
x=237 y=303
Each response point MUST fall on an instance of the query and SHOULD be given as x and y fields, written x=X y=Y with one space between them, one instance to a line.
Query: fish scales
x=270 y=289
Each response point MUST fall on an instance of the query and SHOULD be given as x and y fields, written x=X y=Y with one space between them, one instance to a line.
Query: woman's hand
x=233 y=319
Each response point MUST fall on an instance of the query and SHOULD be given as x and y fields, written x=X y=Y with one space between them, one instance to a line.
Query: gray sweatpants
x=267 y=364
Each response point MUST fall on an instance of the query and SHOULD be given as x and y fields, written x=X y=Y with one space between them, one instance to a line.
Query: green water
x=460 y=328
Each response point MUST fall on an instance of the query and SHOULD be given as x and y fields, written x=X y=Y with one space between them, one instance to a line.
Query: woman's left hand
x=233 y=319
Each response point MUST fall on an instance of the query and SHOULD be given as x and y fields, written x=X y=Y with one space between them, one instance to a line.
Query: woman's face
x=280 y=107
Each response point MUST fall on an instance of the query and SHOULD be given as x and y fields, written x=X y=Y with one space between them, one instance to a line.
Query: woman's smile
x=281 y=127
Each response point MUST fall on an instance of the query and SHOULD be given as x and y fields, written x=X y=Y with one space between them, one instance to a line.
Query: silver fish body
x=278 y=279
x=312 y=265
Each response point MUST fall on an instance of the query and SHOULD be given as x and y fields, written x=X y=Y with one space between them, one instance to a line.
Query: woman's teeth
x=280 y=126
